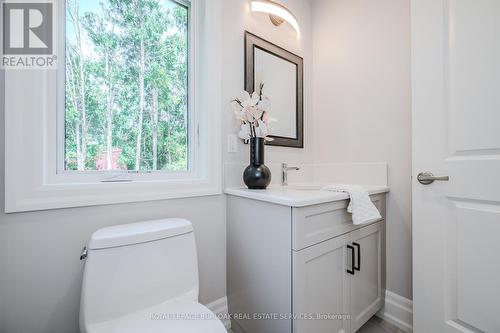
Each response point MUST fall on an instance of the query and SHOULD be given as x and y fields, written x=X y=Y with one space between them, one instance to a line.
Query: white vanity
x=293 y=255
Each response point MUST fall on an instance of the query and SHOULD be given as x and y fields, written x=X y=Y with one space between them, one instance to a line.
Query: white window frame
x=69 y=176
x=34 y=120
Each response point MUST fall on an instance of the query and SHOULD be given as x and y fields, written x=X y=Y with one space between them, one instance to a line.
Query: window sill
x=97 y=194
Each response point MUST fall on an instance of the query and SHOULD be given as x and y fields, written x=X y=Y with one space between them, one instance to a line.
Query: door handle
x=359 y=257
x=351 y=271
x=427 y=178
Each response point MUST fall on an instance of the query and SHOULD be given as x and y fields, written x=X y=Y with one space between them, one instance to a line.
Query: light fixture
x=277 y=13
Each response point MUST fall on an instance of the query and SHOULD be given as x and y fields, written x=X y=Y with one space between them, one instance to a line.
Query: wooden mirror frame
x=251 y=42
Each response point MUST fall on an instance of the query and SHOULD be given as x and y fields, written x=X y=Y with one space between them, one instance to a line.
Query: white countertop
x=298 y=195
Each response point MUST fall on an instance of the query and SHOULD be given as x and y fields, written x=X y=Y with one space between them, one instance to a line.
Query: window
x=126 y=86
x=131 y=111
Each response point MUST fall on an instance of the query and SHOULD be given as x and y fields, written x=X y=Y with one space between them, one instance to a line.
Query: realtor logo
x=28 y=35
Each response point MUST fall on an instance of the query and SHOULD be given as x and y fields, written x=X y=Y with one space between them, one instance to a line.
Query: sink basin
x=305 y=187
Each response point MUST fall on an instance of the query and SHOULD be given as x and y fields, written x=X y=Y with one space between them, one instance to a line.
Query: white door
x=456 y=120
x=366 y=282
x=320 y=286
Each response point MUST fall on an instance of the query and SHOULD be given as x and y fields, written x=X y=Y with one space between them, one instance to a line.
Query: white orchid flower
x=245 y=132
x=244 y=96
x=249 y=101
x=264 y=103
x=262 y=130
x=253 y=114
x=258 y=133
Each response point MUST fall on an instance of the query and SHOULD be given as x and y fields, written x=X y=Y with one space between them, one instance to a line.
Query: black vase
x=257 y=176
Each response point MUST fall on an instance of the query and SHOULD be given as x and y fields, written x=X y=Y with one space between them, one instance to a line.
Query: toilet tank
x=132 y=267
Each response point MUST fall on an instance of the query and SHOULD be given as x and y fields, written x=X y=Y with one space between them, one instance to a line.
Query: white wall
x=238 y=19
x=361 y=103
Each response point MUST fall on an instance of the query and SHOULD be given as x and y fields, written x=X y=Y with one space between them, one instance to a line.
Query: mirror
x=282 y=74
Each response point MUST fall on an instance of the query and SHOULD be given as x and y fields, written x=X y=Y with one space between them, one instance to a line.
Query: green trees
x=127 y=85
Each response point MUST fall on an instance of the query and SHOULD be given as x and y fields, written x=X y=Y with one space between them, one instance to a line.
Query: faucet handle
x=285 y=167
x=284 y=173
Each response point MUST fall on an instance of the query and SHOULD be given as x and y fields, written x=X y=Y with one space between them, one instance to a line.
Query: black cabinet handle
x=351 y=271
x=359 y=257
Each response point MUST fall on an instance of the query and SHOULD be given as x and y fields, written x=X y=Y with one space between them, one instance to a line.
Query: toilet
x=143 y=277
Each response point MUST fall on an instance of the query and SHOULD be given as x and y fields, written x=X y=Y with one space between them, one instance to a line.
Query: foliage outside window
x=126 y=85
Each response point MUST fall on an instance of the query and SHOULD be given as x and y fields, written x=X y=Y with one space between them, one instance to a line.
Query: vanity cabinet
x=321 y=286
x=338 y=277
x=302 y=269
x=366 y=281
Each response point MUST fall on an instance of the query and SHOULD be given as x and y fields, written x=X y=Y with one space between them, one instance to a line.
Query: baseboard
x=398 y=311
x=220 y=309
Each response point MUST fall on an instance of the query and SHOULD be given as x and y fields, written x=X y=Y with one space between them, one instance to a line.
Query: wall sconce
x=277 y=13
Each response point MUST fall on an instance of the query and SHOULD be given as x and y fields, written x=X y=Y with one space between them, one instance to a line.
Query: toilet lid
x=174 y=316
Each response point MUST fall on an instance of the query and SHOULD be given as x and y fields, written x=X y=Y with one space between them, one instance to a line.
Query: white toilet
x=143 y=277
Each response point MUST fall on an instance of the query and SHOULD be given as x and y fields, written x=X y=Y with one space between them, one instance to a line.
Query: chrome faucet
x=284 y=173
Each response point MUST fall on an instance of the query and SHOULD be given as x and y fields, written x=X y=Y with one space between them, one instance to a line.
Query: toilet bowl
x=143 y=277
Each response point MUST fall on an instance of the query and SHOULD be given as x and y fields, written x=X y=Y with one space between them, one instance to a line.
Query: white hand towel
x=361 y=207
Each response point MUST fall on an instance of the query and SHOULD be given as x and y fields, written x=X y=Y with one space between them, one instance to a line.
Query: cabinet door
x=366 y=288
x=320 y=286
